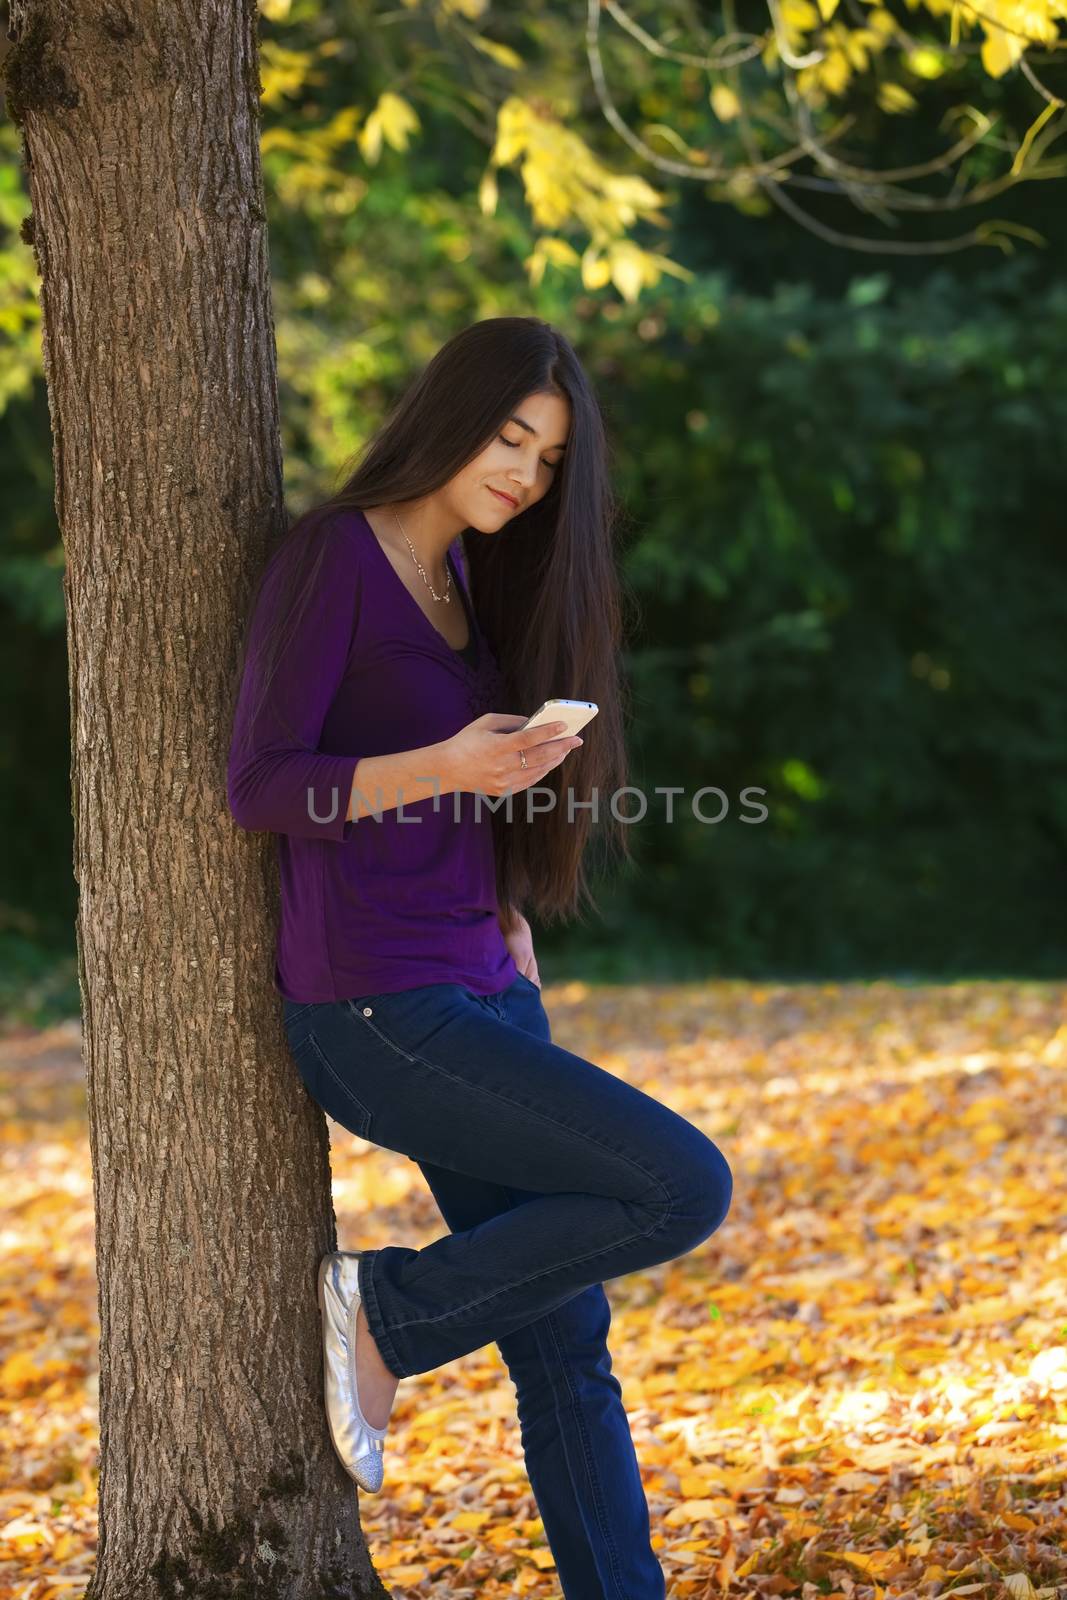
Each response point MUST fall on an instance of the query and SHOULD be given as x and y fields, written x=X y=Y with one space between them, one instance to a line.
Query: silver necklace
x=446 y=596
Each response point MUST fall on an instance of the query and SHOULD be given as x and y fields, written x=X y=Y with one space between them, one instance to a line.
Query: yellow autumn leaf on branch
x=798 y=16
x=282 y=71
x=393 y=120
x=596 y=269
x=925 y=63
x=488 y=193
x=627 y=272
x=1000 y=51
x=894 y=98
x=549 y=251
x=724 y=102
x=502 y=54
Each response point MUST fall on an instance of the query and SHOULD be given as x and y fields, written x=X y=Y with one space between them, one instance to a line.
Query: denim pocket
x=329 y=1087
x=369 y=1011
x=520 y=977
x=406 y=1021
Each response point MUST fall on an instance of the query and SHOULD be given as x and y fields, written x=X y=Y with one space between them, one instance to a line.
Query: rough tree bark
x=210 y=1161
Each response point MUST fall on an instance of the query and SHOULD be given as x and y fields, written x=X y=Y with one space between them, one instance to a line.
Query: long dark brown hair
x=546 y=589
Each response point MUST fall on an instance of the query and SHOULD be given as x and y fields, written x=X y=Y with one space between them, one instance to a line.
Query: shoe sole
x=323 y=1266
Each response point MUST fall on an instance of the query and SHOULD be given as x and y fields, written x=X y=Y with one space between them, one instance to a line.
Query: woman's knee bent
x=701 y=1187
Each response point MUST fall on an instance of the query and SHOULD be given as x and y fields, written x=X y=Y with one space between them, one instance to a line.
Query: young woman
x=400 y=635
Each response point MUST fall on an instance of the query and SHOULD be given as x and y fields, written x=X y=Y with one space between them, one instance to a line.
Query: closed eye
x=512 y=445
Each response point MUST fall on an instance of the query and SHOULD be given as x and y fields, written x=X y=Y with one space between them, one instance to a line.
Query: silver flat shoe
x=356 y=1442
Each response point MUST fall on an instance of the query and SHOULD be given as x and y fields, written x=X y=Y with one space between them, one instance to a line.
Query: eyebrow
x=526 y=425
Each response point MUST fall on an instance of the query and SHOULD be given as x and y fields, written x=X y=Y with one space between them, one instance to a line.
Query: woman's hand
x=485 y=754
x=520 y=945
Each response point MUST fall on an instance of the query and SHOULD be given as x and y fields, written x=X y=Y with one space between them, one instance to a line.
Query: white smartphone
x=575 y=713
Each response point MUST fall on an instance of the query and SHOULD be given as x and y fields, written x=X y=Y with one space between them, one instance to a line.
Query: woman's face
x=520 y=462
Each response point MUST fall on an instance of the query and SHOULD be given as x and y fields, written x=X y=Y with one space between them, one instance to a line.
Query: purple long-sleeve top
x=406 y=896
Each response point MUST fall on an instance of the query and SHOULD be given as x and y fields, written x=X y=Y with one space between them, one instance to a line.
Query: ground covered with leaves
x=856 y=1388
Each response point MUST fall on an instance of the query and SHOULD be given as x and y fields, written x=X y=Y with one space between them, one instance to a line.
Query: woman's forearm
x=381 y=783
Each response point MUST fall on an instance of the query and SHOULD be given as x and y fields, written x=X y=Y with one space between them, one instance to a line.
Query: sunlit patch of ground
x=856 y=1388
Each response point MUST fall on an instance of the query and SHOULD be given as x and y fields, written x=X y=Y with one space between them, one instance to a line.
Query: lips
x=507 y=498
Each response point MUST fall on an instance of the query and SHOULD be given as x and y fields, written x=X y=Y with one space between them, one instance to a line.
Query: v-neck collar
x=457 y=582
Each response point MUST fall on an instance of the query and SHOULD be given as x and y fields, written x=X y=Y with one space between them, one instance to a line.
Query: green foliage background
x=843 y=480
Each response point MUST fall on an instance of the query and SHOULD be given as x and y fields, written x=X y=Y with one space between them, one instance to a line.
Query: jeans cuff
x=369 y=1296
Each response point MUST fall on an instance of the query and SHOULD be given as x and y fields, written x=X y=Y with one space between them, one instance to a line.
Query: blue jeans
x=552 y=1174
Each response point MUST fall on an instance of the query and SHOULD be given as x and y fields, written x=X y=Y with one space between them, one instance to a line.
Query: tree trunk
x=210 y=1161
